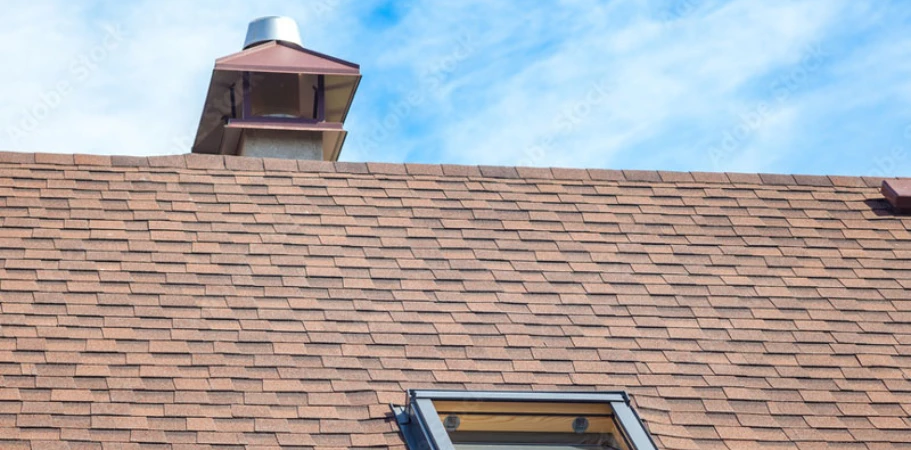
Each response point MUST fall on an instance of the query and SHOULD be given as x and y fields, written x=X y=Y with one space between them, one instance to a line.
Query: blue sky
x=784 y=86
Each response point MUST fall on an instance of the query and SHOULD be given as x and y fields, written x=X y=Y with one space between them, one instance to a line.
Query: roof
x=204 y=302
x=282 y=57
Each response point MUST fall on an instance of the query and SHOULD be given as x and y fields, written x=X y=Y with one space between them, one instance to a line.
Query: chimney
x=898 y=193
x=276 y=98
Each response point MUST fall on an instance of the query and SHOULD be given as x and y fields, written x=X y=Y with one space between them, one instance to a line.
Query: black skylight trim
x=422 y=429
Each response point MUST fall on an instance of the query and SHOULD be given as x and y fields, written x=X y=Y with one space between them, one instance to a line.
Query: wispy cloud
x=809 y=86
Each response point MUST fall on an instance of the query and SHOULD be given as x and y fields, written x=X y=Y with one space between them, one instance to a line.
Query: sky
x=773 y=86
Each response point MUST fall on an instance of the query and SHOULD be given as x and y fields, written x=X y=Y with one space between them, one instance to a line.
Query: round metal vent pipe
x=272 y=28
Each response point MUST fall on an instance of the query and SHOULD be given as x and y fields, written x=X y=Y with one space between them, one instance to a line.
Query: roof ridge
x=196 y=161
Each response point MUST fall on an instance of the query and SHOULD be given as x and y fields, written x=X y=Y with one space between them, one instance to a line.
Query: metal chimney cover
x=272 y=28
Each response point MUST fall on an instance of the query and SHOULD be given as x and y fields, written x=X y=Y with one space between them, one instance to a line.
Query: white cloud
x=78 y=87
x=482 y=82
x=693 y=69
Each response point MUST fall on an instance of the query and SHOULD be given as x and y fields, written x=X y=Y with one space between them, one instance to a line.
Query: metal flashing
x=519 y=396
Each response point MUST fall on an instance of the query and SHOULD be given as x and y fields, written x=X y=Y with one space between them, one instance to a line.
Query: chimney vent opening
x=285 y=95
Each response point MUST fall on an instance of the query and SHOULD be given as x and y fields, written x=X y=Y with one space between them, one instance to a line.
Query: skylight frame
x=422 y=429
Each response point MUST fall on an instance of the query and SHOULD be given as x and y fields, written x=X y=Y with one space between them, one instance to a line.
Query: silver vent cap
x=273 y=28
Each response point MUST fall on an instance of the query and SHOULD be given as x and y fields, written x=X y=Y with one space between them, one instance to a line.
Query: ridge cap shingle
x=192 y=161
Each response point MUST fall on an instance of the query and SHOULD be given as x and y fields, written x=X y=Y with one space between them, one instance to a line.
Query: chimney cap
x=272 y=28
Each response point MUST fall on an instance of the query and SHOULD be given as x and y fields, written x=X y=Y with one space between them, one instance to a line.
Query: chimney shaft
x=276 y=98
x=282 y=144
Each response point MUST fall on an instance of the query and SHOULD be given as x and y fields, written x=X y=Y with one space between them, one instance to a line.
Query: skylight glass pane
x=476 y=420
x=530 y=425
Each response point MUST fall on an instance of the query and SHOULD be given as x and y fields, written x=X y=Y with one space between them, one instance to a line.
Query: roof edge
x=228 y=62
x=196 y=161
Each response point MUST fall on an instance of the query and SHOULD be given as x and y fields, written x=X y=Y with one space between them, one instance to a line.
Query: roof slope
x=282 y=57
x=213 y=302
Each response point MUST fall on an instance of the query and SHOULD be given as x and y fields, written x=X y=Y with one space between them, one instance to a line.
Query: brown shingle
x=570 y=174
x=205 y=162
x=676 y=177
x=498 y=172
x=746 y=178
x=424 y=169
x=386 y=168
x=241 y=163
x=211 y=301
x=777 y=179
x=176 y=161
x=461 y=171
x=642 y=175
x=54 y=158
x=542 y=173
x=129 y=161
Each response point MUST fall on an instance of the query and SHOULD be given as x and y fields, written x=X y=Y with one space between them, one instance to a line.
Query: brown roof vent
x=898 y=193
x=276 y=98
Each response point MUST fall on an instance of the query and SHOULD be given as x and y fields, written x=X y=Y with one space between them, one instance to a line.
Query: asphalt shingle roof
x=205 y=302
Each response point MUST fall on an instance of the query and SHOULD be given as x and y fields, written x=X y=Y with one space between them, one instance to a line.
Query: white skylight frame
x=422 y=429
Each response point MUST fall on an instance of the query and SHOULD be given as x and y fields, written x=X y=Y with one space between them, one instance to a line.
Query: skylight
x=453 y=420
